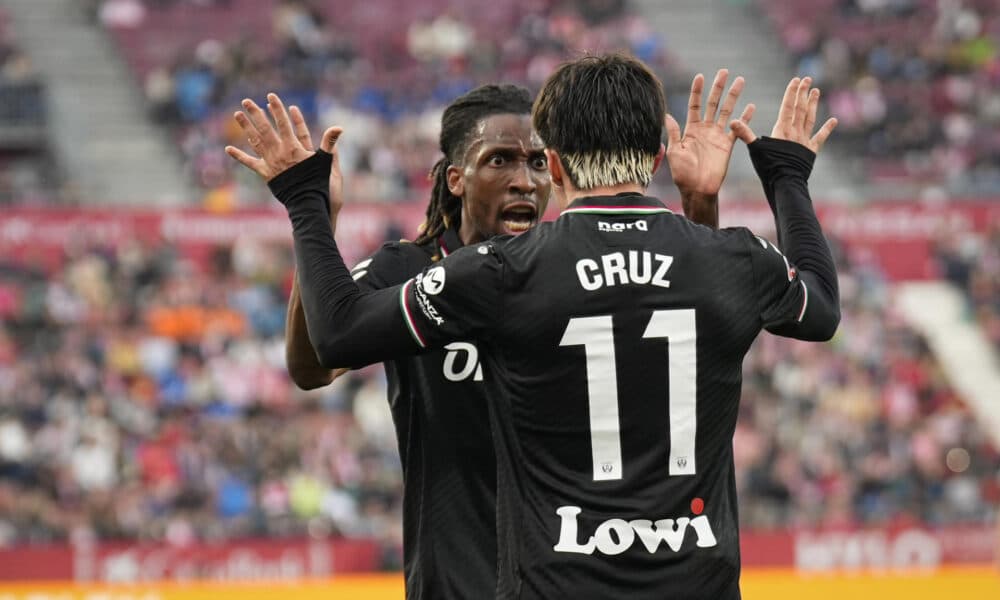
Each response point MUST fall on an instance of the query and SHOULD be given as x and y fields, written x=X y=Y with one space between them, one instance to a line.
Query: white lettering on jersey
x=641 y=225
x=618 y=268
x=361 y=269
x=652 y=535
x=429 y=310
x=789 y=269
x=470 y=364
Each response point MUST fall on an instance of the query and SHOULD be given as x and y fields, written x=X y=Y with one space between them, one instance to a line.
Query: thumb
x=743 y=131
x=673 y=130
x=330 y=137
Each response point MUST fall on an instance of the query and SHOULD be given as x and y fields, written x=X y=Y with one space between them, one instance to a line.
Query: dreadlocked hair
x=457 y=125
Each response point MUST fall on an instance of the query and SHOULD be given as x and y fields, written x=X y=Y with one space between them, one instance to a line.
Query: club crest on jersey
x=615 y=536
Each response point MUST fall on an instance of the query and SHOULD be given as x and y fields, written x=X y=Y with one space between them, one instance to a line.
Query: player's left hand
x=699 y=158
x=796 y=118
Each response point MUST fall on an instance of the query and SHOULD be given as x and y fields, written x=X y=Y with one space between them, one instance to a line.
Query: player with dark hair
x=491 y=180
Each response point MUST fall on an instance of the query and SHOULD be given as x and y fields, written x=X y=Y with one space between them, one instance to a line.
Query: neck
x=571 y=193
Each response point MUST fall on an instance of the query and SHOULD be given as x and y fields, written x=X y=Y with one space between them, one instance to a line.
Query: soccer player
x=492 y=180
x=614 y=336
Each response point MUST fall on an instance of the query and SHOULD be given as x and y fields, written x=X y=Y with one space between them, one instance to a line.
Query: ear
x=555 y=167
x=659 y=157
x=456 y=183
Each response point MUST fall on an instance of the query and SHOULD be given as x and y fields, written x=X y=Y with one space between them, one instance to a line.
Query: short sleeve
x=457 y=298
x=782 y=296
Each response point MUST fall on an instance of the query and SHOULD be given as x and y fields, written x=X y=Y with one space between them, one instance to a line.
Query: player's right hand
x=796 y=118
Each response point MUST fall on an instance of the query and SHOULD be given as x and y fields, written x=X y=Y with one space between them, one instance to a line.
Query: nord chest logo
x=615 y=536
x=639 y=225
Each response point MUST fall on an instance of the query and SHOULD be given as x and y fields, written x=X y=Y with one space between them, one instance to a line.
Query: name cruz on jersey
x=652 y=534
x=620 y=268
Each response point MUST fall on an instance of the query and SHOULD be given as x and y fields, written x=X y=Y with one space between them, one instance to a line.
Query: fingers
x=787 y=111
x=251 y=162
x=811 y=111
x=801 y=102
x=694 y=103
x=300 y=127
x=745 y=119
x=253 y=136
x=330 y=137
x=277 y=109
x=730 y=104
x=824 y=132
x=259 y=121
x=742 y=130
x=673 y=131
x=715 y=94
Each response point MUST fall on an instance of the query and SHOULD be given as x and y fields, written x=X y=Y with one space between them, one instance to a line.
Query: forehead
x=504 y=130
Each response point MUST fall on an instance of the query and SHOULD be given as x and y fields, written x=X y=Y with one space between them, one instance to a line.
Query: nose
x=521 y=181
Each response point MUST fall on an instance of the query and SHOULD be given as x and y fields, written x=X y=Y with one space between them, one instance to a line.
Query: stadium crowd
x=973 y=264
x=913 y=82
x=388 y=92
x=24 y=163
x=144 y=396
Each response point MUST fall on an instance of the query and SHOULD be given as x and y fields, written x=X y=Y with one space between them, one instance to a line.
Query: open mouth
x=518 y=218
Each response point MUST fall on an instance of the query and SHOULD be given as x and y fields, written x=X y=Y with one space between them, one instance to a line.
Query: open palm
x=699 y=158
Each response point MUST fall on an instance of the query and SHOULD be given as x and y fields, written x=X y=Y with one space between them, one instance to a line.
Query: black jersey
x=442 y=426
x=614 y=338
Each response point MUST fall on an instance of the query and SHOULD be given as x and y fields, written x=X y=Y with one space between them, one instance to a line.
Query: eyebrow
x=511 y=149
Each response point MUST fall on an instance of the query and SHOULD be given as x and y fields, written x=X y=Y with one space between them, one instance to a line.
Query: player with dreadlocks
x=492 y=179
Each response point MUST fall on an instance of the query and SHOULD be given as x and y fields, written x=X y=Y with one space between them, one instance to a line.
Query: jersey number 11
x=596 y=335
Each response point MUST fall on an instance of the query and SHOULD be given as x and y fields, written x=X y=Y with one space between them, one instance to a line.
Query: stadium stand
x=197 y=60
x=144 y=396
x=913 y=82
x=973 y=264
x=146 y=399
x=26 y=172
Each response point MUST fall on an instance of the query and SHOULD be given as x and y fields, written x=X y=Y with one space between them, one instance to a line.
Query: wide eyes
x=538 y=162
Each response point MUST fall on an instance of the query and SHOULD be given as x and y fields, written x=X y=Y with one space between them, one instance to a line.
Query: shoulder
x=393 y=263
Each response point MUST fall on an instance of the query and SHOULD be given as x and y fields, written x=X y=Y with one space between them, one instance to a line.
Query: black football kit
x=613 y=338
x=442 y=425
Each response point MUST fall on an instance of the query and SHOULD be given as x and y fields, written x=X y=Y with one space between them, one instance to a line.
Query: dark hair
x=604 y=116
x=457 y=123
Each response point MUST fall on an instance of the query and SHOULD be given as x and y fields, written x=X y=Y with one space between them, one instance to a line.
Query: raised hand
x=285 y=147
x=699 y=158
x=796 y=118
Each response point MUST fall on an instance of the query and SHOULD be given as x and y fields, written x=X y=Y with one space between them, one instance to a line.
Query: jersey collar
x=449 y=241
x=628 y=203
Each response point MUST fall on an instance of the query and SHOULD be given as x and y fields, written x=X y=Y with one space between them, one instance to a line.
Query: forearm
x=346 y=327
x=806 y=247
x=300 y=356
x=701 y=208
x=303 y=365
x=784 y=168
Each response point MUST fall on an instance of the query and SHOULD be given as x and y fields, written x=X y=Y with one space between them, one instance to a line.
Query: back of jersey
x=619 y=358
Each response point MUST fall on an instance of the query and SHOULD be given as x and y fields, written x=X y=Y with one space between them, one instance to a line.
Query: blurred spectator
x=973 y=264
x=914 y=85
x=144 y=396
x=388 y=87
